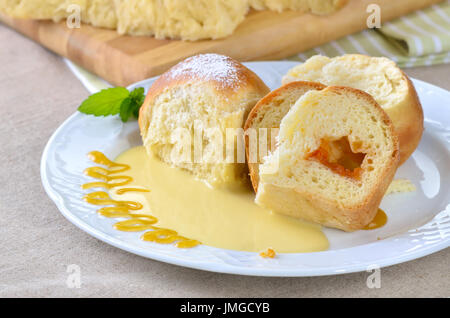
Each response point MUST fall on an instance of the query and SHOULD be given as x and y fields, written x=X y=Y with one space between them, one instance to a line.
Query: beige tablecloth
x=37 y=93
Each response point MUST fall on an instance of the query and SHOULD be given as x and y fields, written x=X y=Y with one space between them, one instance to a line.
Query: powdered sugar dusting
x=209 y=67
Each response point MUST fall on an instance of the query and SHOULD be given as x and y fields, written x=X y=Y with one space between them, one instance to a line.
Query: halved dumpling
x=267 y=114
x=337 y=154
x=190 y=110
x=377 y=76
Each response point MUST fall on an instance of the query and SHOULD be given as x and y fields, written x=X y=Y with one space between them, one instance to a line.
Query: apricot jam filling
x=338 y=156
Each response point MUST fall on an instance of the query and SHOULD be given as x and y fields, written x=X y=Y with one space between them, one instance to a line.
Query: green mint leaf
x=106 y=102
x=126 y=109
x=136 y=109
x=138 y=95
x=137 y=99
x=114 y=101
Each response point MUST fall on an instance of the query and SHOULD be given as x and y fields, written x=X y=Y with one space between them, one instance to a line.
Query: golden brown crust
x=367 y=210
x=278 y=92
x=408 y=121
x=227 y=75
x=322 y=210
x=407 y=116
x=303 y=86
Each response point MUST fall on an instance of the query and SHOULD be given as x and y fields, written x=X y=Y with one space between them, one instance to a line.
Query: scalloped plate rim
x=221 y=267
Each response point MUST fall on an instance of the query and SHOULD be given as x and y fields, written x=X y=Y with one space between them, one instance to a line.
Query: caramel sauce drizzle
x=378 y=221
x=270 y=253
x=125 y=209
x=125 y=190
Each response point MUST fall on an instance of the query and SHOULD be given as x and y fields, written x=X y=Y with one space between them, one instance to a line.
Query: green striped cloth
x=420 y=38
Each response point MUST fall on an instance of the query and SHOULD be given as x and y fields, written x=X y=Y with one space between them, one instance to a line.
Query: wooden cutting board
x=264 y=35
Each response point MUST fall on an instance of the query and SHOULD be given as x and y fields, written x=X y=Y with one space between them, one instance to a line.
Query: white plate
x=419 y=223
